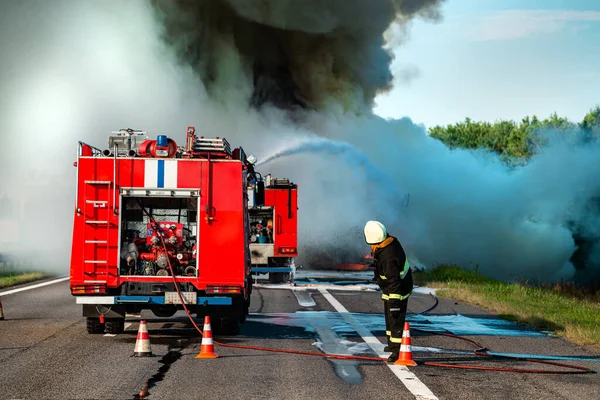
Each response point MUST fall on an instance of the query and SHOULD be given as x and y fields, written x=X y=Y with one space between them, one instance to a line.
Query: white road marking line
x=35 y=286
x=127 y=325
x=352 y=288
x=410 y=380
x=304 y=298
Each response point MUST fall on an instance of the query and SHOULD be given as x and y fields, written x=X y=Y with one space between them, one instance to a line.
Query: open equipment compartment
x=261 y=225
x=141 y=252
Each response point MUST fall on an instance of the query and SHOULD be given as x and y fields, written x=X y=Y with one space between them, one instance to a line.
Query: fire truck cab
x=155 y=223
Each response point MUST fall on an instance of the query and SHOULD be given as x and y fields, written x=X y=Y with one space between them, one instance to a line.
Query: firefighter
x=394 y=277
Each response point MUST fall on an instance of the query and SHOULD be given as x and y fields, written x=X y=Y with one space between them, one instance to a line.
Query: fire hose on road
x=481 y=350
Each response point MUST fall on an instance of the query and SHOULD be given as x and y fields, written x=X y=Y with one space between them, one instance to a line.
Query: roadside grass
x=548 y=308
x=14 y=278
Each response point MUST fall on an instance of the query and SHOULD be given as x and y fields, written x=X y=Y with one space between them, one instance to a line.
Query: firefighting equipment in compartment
x=129 y=252
x=374 y=232
x=155 y=258
x=129 y=255
x=261 y=233
x=394 y=277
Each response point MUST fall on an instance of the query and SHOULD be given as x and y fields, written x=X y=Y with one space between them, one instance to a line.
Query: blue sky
x=498 y=59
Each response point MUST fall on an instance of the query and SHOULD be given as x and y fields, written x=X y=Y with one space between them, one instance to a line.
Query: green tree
x=509 y=139
x=591 y=121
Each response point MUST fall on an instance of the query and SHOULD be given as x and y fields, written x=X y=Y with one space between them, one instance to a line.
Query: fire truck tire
x=94 y=326
x=115 y=325
x=245 y=312
x=230 y=326
x=279 y=277
x=225 y=325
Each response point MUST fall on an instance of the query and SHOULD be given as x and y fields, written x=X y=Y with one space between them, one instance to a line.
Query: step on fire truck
x=150 y=215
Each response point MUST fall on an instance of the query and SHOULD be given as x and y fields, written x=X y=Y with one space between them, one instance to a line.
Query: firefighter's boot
x=395 y=349
x=390 y=345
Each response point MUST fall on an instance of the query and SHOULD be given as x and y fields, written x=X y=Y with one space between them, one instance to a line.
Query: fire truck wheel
x=115 y=325
x=94 y=325
x=230 y=326
x=279 y=277
x=244 y=312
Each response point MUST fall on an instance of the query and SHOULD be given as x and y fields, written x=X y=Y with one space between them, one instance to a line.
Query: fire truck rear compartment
x=155 y=204
x=177 y=223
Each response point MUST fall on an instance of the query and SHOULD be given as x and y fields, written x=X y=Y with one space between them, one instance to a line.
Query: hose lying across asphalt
x=480 y=351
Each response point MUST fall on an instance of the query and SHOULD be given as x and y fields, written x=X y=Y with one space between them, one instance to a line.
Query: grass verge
x=543 y=308
x=14 y=278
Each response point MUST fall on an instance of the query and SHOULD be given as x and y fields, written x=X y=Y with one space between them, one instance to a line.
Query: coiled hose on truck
x=480 y=351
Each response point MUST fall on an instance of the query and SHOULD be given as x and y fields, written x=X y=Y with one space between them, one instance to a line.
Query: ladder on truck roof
x=97 y=226
x=213 y=146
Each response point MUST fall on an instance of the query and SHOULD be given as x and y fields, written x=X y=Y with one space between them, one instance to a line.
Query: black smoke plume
x=296 y=54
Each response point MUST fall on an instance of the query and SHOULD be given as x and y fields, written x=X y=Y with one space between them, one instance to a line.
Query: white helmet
x=375 y=232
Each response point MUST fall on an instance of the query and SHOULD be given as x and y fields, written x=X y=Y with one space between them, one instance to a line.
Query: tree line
x=511 y=140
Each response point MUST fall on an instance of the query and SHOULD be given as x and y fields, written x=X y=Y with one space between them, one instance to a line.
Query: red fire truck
x=274 y=224
x=150 y=215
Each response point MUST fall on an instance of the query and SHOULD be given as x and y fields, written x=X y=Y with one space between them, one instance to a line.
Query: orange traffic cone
x=405 y=350
x=207 y=349
x=142 y=344
x=1 y=311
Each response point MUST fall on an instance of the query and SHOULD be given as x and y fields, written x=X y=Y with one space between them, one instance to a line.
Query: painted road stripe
x=304 y=298
x=410 y=380
x=301 y=287
x=37 y=285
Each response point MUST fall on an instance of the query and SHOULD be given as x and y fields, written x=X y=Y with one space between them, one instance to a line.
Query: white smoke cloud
x=78 y=70
x=463 y=207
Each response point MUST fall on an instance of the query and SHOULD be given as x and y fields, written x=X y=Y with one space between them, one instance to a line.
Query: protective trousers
x=395 y=314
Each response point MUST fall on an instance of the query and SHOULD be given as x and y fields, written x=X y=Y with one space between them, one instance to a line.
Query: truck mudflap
x=168 y=298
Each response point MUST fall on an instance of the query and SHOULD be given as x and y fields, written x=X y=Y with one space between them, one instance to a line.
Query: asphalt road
x=46 y=353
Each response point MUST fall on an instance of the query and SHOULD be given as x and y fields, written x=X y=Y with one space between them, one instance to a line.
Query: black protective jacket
x=392 y=272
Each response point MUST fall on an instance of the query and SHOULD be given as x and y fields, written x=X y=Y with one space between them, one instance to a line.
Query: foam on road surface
x=408 y=379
